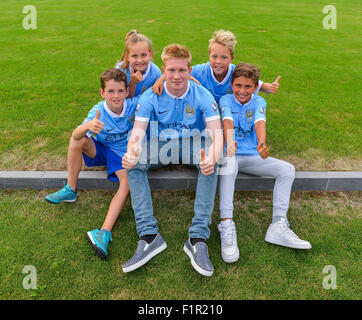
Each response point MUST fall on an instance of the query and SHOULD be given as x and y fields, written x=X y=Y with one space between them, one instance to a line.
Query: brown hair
x=226 y=38
x=246 y=70
x=132 y=37
x=113 y=74
x=176 y=51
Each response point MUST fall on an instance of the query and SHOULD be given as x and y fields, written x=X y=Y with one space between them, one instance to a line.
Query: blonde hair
x=226 y=38
x=132 y=37
x=176 y=51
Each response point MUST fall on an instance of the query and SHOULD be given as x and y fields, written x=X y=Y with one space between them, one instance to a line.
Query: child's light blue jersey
x=203 y=72
x=150 y=76
x=244 y=117
x=178 y=117
x=116 y=126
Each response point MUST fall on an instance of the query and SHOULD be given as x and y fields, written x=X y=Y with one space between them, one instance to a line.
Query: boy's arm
x=260 y=129
x=229 y=137
x=271 y=87
x=95 y=125
x=157 y=88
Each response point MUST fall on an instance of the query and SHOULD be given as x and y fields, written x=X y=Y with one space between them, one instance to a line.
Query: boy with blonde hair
x=215 y=75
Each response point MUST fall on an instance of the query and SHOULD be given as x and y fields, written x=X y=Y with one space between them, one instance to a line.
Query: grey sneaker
x=144 y=253
x=199 y=257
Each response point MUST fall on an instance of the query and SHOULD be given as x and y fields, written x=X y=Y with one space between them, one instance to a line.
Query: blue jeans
x=140 y=191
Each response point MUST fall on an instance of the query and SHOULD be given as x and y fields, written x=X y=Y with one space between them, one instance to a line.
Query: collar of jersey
x=145 y=73
x=246 y=104
x=174 y=97
x=115 y=115
x=226 y=77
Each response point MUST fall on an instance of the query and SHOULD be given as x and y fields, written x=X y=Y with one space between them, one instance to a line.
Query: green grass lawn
x=52 y=239
x=50 y=76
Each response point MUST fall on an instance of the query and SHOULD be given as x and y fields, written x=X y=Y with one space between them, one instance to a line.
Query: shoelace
x=289 y=231
x=227 y=235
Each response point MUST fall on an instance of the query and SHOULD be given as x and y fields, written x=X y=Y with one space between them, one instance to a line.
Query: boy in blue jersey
x=180 y=113
x=244 y=119
x=136 y=63
x=215 y=75
x=109 y=122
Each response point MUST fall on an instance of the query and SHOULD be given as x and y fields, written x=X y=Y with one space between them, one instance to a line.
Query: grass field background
x=53 y=240
x=50 y=76
x=49 y=80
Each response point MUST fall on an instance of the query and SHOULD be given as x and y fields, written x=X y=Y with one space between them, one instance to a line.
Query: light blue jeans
x=140 y=190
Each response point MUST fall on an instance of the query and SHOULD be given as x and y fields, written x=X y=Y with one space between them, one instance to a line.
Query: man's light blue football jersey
x=178 y=117
x=116 y=127
x=244 y=117
x=203 y=72
x=150 y=76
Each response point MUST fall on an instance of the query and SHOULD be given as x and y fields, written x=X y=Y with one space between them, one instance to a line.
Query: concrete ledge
x=182 y=180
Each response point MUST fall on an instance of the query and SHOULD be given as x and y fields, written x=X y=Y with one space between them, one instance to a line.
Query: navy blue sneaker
x=99 y=240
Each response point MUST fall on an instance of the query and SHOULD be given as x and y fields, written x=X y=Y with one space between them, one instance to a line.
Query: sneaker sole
x=194 y=264
x=52 y=202
x=231 y=259
x=284 y=244
x=145 y=259
x=97 y=250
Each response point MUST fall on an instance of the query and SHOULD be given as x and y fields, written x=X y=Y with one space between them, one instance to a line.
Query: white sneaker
x=279 y=233
x=229 y=245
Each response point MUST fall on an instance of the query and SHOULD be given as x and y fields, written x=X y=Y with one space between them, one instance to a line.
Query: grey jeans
x=282 y=171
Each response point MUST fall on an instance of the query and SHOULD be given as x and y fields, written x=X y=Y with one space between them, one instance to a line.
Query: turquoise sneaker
x=99 y=240
x=65 y=194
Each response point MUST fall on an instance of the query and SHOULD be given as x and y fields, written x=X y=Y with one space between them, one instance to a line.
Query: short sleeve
x=225 y=108
x=144 y=107
x=260 y=110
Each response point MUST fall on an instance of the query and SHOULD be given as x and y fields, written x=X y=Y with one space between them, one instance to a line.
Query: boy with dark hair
x=102 y=141
x=244 y=118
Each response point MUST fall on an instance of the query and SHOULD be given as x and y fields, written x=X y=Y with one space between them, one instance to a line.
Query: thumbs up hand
x=206 y=164
x=95 y=125
x=131 y=157
x=136 y=76
x=275 y=86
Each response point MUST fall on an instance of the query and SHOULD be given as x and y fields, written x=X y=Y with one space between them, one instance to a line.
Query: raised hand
x=136 y=76
x=206 y=164
x=275 y=86
x=130 y=158
x=95 y=125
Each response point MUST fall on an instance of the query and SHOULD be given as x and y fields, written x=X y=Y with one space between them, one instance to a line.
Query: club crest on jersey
x=249 y=114
x=214 y=106
x=131 y=118
x=189 y=111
